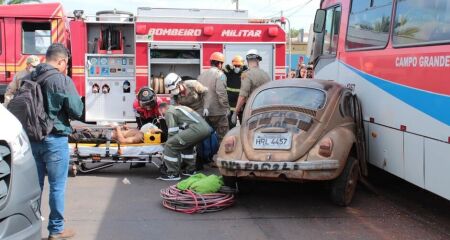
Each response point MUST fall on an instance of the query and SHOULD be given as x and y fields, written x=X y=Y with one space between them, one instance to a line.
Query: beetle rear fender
x=343 y=139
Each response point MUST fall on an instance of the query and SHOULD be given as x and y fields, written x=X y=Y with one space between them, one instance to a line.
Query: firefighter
x=188 y=93
x=250 y=80
x=186 y=129
x=216 y=107
x=233 y=73
x=32 y=62
x=146 y=108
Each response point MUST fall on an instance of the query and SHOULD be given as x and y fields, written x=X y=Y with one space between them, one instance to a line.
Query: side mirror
x=319 y=21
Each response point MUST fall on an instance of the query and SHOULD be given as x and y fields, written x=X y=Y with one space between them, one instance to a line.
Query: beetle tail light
x=326 y=147
x=229 y=144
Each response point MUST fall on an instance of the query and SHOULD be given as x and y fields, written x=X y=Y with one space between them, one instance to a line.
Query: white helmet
x=253 y=54
x=170 y=83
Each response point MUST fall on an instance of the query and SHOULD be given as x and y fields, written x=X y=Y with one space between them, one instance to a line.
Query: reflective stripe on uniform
x=236 y=90
x=233 y=109
x=170 y=159
x=188 y=114
x=188 y=156
x=173 y=129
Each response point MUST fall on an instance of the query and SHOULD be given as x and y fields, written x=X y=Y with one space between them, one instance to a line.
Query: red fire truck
x=115 y=53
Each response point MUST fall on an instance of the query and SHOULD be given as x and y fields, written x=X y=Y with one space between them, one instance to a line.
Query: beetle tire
x=343 y=187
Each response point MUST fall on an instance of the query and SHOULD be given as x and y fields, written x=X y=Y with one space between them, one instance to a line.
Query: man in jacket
x=233 y=73
x=251 y=80
x=62 y=103
x=190 y=93
x=216 y=103
x=32 y=62
x=186 y=129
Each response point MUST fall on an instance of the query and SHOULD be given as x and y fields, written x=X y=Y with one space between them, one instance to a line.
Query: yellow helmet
x=237 y=61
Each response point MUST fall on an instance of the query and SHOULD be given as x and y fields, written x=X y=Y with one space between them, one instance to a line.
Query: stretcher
x=90 y=157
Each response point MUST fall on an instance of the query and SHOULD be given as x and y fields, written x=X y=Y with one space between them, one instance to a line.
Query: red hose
x=191 y=202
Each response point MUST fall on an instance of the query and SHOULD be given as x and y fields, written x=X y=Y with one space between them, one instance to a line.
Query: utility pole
x=237 y=4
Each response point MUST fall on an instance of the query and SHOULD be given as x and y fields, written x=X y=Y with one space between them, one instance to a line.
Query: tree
x=294 y=32
x=10 y=2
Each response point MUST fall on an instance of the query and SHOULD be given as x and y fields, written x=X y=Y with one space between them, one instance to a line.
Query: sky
x=300 y=12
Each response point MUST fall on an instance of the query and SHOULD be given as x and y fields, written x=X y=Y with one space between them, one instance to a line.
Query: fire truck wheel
x=73 y=170
x=343 y=187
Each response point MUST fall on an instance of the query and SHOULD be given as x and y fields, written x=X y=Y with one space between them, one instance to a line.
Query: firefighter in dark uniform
x=233 y=73
x=186 y=129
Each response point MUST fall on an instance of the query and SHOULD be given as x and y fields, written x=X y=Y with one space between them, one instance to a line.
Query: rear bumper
x=328 y=164
x=294 y=171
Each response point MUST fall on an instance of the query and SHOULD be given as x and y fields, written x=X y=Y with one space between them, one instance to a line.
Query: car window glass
x=36 y=37
x=421 y=21
x=290 y=96
x=369 y=24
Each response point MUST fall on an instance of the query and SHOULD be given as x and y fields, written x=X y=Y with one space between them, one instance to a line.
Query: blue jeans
x=52 y=158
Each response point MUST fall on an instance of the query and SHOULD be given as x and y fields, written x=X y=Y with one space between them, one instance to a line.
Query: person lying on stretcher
x=120 y=134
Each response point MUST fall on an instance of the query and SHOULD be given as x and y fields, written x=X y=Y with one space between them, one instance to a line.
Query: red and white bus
x=395 y=55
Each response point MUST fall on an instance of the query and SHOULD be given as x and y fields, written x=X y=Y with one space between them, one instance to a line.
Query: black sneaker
x=188 y=173
x=169 y=177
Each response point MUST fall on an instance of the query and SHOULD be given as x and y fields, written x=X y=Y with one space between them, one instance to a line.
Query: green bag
x=210 y=184
x=186 y=183
x=201 y=184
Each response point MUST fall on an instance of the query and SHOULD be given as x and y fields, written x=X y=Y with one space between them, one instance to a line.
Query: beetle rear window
x=290 y=96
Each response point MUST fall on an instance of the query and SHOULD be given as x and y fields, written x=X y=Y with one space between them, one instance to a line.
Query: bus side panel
x=386 y=150
x=142 y=66
x=414 y=159
x=437 y=167
x=78 y=51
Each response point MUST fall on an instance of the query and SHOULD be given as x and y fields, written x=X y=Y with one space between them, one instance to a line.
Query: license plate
x=272 y=141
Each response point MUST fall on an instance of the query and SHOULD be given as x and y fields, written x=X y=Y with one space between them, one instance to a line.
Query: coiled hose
x=190 y=202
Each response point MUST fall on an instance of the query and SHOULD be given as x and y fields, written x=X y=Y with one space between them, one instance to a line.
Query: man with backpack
x=54 y=101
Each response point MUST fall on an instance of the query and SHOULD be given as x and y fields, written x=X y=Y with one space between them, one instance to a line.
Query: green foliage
x=17 y=1
x=294 y=32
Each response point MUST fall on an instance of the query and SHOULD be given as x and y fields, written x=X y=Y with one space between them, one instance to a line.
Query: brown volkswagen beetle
x=298 y=130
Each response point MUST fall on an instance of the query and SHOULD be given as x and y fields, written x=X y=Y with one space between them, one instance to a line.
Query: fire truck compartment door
x=3 y=70
x=175 y=46
x=266 y=51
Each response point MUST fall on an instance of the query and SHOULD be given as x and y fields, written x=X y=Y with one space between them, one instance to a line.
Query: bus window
x=369 y=24
x=36 y=37
x=421 y=21
x=333 y=18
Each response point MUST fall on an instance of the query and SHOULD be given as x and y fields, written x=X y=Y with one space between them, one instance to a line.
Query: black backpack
x=28 y=107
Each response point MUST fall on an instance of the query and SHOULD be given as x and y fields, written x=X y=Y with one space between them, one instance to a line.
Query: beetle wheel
x=343 y=187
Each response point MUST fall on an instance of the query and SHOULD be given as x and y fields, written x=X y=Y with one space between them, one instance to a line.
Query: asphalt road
x=100 y=206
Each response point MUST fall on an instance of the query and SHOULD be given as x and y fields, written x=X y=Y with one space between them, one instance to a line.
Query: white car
x=20 y=216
